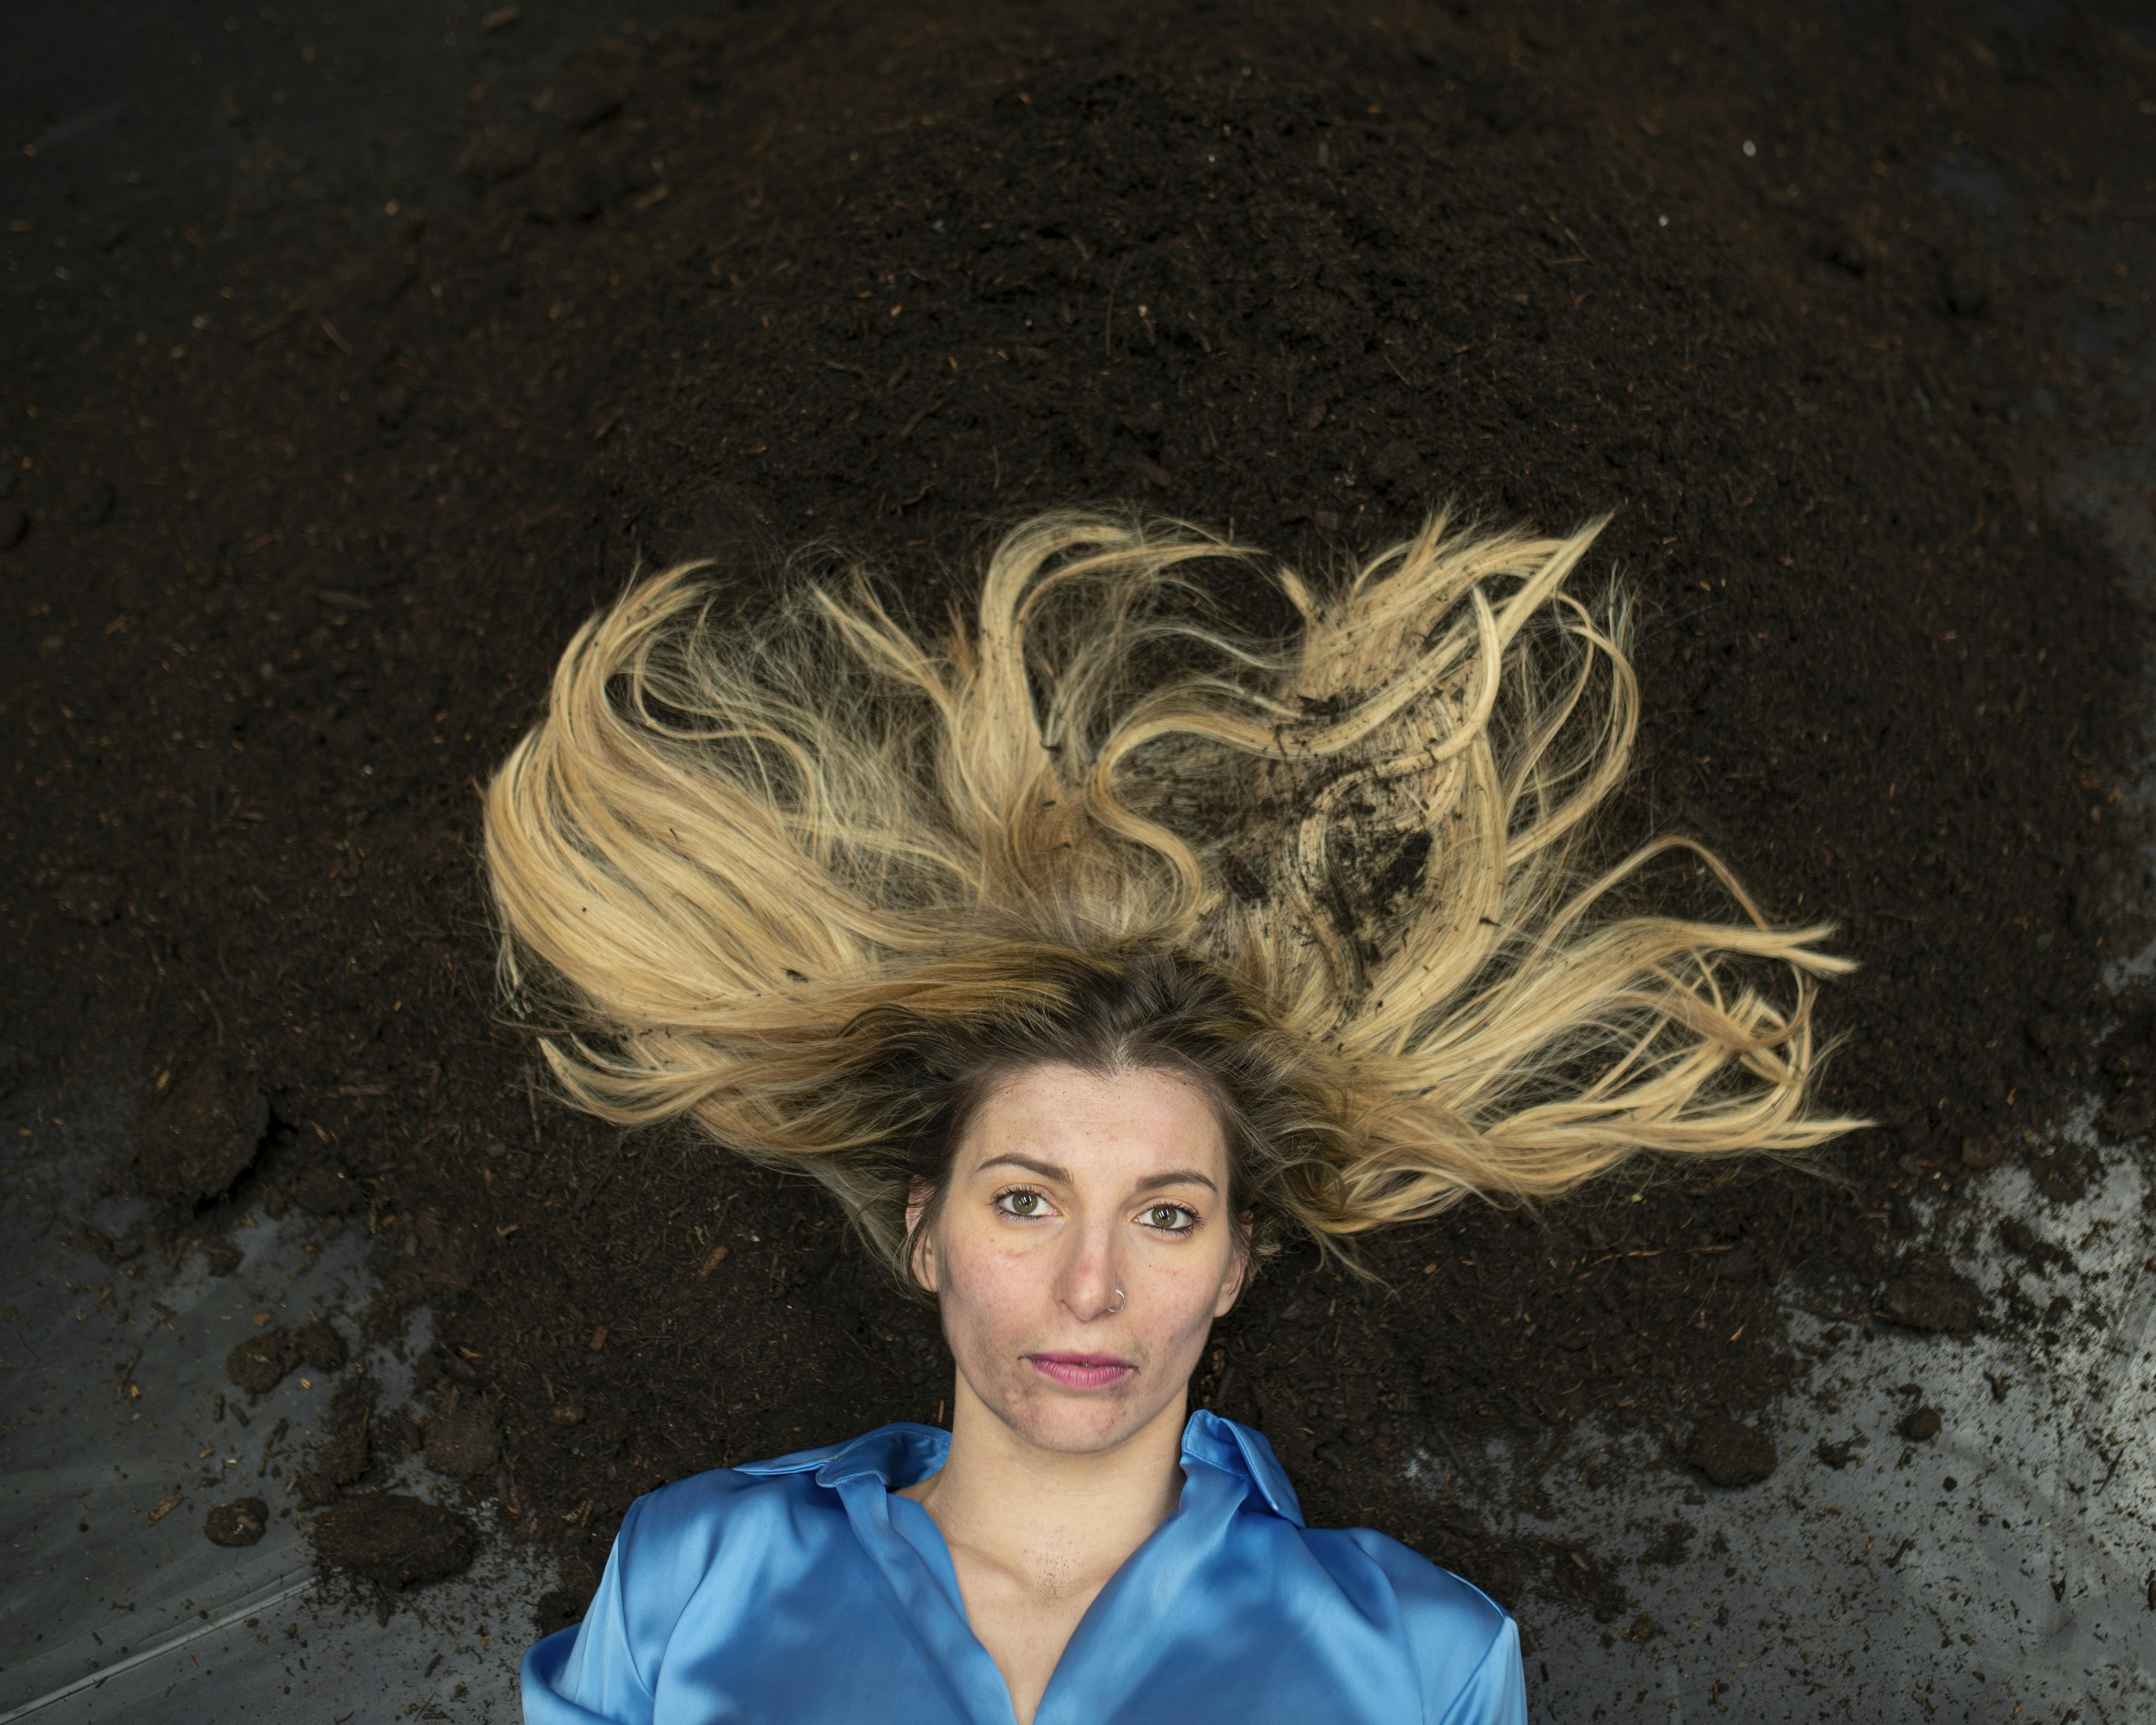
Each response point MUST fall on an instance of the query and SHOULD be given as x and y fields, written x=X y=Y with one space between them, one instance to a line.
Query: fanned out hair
x=817 y=880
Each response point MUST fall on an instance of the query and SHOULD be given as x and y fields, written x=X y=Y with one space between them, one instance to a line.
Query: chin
x=1074 y=1431
x=1074 y=1423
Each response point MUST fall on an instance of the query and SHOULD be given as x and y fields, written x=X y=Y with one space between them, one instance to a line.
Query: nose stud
x=1118 y=1306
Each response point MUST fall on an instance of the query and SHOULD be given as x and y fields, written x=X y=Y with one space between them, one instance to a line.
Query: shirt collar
x=1244 y=1454
x=904 y=1454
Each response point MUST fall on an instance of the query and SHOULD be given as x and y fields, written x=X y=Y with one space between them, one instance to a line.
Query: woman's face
x=1082 y=1249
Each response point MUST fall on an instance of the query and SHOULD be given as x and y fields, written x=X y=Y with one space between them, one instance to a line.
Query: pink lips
x=1081 y=1371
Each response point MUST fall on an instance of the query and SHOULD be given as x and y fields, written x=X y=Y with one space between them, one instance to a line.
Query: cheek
x=1181 y=1299
x=988 y=1291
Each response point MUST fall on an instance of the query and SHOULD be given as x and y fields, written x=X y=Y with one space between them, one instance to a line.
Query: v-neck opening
x=944 y=1568
x=1223 y=1469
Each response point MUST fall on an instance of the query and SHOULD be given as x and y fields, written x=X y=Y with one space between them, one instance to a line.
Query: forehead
x=1129 y=1123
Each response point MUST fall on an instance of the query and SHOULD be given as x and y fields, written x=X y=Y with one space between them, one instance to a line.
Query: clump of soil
x=1730 y=1453
x=1930 y=1293
x=260 y=1362
x=2038 y=1254
x=464 y=1440
x=722 y=290
x=324 y=1190
x=1922 y=1425
x=394 y=1540
x=204 y=1130
x=238 y=1522
x=343 y=1457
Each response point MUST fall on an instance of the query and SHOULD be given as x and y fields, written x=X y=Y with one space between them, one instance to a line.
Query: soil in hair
x=282 y=589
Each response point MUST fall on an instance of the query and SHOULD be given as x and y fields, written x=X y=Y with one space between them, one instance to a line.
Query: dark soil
x=394 y=1540
x=284 y=588
x=203 y=1132
x=1921 y=1426
x=260 y=1362
x=463 y=1440
x=1928 y=1293
x=1730 y=1453
x=238 y=1522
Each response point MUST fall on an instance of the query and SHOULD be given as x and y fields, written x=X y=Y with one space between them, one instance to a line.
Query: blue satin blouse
x=803 y=1591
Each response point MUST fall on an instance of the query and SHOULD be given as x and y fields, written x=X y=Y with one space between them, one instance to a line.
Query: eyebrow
x=1056 y=1171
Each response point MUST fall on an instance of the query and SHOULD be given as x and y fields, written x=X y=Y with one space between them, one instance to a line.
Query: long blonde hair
x=804 y=879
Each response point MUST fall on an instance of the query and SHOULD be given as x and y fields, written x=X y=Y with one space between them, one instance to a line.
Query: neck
x=1080 y=1515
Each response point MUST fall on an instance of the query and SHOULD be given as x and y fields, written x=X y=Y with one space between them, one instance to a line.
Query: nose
x=1088 y=1286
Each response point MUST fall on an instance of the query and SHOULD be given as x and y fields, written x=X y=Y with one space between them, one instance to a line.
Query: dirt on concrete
x=393 y=1540
x=239 y=1522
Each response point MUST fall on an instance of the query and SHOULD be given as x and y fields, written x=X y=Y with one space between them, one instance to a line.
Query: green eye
x=1171 y=1217
x=1023 y=1204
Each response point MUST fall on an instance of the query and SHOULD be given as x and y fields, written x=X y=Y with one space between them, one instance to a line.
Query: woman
x=1088 y=959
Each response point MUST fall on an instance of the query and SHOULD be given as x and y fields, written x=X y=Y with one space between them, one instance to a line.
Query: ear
x=1239 y=1272
x=921 y=1258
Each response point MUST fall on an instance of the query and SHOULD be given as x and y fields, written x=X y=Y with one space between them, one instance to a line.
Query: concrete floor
x=2001 y=1569
x=113 y=1610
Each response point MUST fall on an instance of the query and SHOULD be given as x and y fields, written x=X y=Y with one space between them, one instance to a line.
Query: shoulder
x=671 y=1544
x=714 y=1496
x=1464 y=1647
x=781 y=1509
x=705 y=1546
x=1385 y=1577
x=1419 y=1584
x=700 y=1507
x=675 y=1533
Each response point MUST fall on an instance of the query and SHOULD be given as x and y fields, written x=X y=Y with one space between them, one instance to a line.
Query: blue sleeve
x=606 y=1671
x=1464 y=1646
x=1497 y=1694
x=591 y=1675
